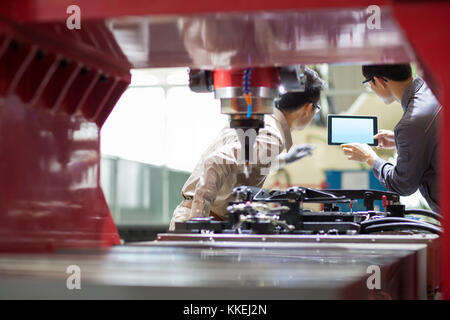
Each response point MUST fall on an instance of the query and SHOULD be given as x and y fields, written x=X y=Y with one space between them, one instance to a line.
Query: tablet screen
x=351 y=129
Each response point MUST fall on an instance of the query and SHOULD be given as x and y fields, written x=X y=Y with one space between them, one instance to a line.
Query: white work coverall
x=208 y=189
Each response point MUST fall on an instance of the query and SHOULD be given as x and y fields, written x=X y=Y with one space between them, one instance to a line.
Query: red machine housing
x=54 y=100
x=261 y=77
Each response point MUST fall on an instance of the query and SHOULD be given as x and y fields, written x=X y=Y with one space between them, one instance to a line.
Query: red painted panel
x=50 y=187
x=240 y=40
x=45 y=10
x=427 y=26
x=261 y=77
x=49 y=150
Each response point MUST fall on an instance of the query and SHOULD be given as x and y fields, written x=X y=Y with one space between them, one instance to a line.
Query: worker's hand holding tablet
x=355 y=135
x=385 y=139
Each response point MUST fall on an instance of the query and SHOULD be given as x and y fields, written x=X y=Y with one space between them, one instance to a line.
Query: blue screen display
x=351 y=130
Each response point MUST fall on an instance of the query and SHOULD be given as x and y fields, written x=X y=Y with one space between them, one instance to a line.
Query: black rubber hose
x=426 y=213
x=390 y=220
x=402 y=226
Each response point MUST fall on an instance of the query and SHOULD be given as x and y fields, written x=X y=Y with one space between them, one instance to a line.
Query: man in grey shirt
x=416 y=135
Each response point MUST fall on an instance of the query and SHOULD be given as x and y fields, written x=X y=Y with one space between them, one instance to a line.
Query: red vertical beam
x=49 y=151
x=427 y=27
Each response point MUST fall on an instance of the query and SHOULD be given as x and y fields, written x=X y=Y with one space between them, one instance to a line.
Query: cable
x=390 y=220
x=246 y=80
x=425 y=213
x=246 y=89
x=402 y=226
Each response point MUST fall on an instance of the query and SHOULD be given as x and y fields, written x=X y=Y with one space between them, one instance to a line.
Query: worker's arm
x=386 y=139
x=359 y=152
x=297 y=152
x=412 y=161
x=217 y=167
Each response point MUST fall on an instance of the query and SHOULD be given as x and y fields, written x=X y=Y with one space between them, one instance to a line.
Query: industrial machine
x=277 y=222
x=246 y=95
x=258 y=211
x=59 y=83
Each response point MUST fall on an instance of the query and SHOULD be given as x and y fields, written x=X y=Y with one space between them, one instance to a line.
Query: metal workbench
x=242 y=267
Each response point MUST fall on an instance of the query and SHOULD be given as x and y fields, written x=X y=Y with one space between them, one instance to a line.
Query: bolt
x=40 y=55
x=14 y=45
x=103 y=78
x=84 y=71
x=64 y=64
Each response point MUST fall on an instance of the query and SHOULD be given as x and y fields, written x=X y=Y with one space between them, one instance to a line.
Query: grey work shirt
x=416 y=139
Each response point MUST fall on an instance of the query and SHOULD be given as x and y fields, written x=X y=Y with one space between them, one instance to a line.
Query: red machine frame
x=57 y=88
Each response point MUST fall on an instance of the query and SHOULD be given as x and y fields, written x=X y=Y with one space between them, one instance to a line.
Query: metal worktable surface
x=220 y=270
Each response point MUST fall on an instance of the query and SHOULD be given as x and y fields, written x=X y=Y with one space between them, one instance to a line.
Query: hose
x=246 y=89
x=402 y=226
x=389 y=220
x=425 y=213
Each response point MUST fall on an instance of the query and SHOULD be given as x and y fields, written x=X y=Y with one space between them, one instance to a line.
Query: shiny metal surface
x=424 y=238
x=276 y=38
x=187 y=270
x=433 y=243
x=234 y=92
x=236 y=106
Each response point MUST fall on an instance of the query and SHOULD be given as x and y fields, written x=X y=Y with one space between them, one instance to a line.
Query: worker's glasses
x=366 y=82
x=315 y=105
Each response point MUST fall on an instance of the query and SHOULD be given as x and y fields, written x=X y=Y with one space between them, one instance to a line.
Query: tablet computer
x=350 y=129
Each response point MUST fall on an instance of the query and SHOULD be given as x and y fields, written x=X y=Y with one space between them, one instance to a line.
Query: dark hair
x=395 y=72
x=292 y=101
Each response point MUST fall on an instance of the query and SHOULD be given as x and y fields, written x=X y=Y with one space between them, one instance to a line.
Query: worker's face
x=304 y=116
x=381 y=88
